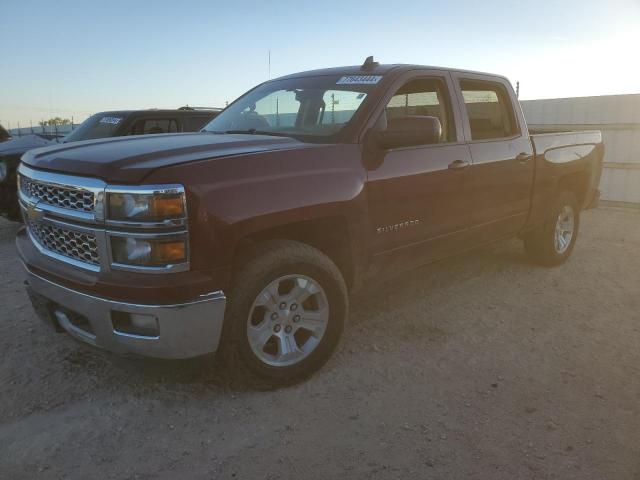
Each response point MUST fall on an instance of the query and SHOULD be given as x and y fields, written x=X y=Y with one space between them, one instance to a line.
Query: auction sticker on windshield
x=359 y=80
x=111 y=120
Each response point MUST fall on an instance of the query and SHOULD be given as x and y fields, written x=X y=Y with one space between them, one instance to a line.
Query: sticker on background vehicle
x=111 y=120
x=359 y=80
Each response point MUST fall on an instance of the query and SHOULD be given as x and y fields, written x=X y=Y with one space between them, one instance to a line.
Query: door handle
x=523 y=157
x=458 y=165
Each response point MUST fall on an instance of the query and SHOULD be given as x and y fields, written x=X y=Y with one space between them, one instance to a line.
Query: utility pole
x=333 y=108
x=518 y=89
x=19 y=132
x=269 y=67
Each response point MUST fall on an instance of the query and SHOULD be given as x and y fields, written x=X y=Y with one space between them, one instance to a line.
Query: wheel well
x=329 y=235
x=578 y=183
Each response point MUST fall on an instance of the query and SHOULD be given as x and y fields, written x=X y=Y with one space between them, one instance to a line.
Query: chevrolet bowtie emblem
x=34 y=213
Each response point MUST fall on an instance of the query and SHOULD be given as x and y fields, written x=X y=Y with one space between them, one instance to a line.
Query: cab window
x=489 y=110
x=424 y=96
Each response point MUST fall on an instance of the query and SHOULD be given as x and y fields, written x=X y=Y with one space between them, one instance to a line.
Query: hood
x=130 y=159
x=19 y=145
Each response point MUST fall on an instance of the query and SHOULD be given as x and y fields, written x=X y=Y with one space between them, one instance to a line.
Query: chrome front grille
x=65 y=220
x=62 y=197
x=79 y=246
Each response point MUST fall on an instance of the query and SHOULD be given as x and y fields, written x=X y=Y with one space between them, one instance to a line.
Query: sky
x=72 y=58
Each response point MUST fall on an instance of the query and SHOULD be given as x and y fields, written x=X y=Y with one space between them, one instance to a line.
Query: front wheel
x=552 y=243
x=286 y=311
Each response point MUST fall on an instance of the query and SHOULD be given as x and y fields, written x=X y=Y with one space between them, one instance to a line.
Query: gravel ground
x=483 y=366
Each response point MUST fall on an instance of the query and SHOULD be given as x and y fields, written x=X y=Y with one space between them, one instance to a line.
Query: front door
x=418 y=203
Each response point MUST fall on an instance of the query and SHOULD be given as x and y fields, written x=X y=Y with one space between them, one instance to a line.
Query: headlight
x=3 y=170
x=154 y=204
x=147 y=213
x=156 y=252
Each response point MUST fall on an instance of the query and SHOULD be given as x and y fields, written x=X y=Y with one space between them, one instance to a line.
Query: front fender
x=235 y=197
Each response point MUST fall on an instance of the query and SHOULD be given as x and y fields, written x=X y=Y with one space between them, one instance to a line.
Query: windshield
x=101 y=125
x=307 y=107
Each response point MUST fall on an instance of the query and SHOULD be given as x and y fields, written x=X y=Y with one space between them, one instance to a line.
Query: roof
x=378 y=70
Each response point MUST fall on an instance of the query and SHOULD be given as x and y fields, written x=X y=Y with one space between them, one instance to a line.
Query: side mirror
x=409 y=131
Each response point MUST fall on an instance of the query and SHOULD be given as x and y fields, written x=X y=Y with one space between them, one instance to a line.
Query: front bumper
x=181 y=330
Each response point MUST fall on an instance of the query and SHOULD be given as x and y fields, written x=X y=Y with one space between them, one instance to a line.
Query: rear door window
x=489 y=110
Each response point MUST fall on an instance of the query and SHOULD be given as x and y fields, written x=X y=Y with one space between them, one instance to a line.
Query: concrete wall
x=617 y=116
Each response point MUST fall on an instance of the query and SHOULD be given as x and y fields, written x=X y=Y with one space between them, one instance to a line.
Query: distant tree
x=55 y=121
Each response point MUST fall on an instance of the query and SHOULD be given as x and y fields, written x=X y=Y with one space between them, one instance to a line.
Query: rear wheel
x=552 y=243
x=286 y=311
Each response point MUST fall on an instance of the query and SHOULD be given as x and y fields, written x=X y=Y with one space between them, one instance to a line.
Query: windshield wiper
x=253 y=131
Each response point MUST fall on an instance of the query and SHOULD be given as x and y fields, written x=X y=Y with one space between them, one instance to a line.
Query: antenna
x=369 y=63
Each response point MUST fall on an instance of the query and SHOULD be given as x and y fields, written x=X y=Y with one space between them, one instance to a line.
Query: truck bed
x=574 y=158
x=566 y=146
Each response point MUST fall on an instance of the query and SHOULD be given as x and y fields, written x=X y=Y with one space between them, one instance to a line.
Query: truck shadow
x=370 y=309
x=507 y=255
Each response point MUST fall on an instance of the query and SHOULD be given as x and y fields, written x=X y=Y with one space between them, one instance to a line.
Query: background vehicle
x=4 y=135
x=10 y=153
x=100 y=125
x=141 y=122
x=308 y=186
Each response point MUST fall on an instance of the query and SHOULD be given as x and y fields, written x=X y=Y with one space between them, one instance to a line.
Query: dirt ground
x=483 y=366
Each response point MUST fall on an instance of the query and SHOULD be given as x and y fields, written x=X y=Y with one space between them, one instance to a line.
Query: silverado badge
x=396 y=227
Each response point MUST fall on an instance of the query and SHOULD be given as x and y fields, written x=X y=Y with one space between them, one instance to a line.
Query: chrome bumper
x=183 y=330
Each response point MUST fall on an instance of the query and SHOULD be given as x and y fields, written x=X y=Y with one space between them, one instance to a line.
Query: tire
x=543 y=245
x=273 y=274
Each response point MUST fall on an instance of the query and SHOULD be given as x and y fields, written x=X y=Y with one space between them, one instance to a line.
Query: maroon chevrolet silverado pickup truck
x=247 y=237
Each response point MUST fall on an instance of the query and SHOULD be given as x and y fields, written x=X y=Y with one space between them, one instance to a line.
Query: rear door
x=503 y=167
x=418 y=201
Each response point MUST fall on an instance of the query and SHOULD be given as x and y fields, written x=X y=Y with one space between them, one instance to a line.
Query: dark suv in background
x=141 y=122
x=4 y=135
x=101 y=125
